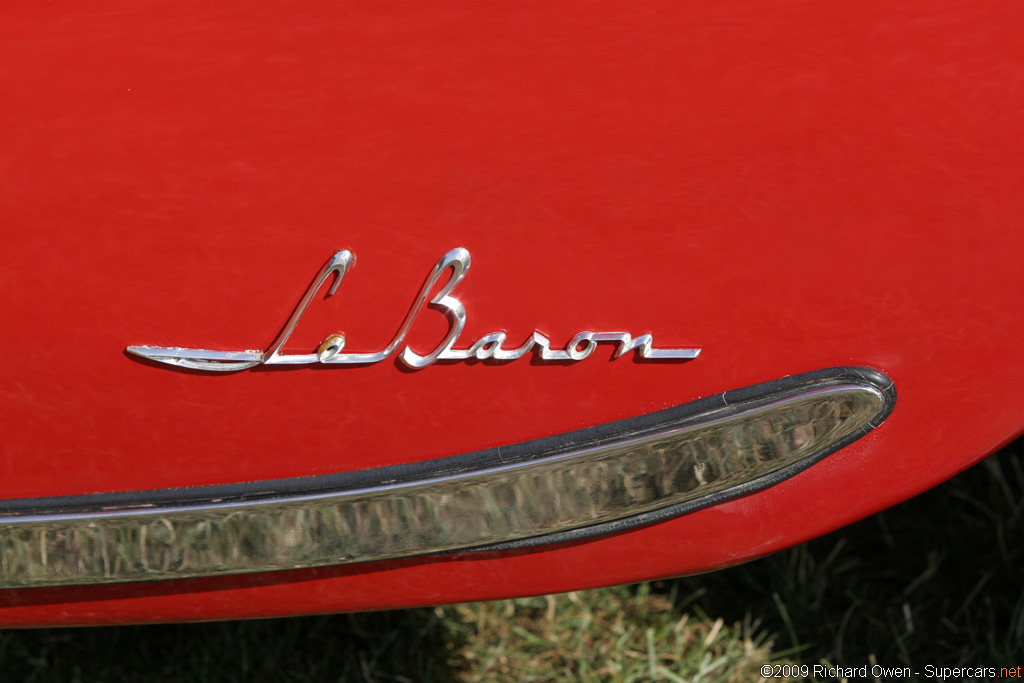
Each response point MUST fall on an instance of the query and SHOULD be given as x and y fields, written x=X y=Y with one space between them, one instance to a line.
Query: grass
x=938 y=580
x=622 y=634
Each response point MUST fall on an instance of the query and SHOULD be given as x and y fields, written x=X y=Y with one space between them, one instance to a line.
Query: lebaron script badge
x=331 y=350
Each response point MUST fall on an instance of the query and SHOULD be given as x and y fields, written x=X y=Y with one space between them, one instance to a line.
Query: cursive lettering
x=330 y=352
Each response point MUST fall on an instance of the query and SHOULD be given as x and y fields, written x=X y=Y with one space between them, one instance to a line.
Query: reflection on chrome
x=635 y=476
x=489 y=346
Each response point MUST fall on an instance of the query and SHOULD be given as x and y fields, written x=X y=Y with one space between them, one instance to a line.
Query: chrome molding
x=329 y=352
x=563 y=488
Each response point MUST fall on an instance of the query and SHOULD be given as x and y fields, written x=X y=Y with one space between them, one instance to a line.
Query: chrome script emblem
x=489 y=346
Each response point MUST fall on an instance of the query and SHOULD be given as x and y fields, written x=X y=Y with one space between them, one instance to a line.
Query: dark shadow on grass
x=405 y=645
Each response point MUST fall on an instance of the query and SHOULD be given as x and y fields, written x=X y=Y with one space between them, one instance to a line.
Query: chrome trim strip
x=575 y=485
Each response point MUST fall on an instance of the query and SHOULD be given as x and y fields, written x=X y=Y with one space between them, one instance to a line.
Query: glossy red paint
x=790 y=186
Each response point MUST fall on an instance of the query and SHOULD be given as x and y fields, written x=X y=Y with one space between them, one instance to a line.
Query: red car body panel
x=789 y=186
